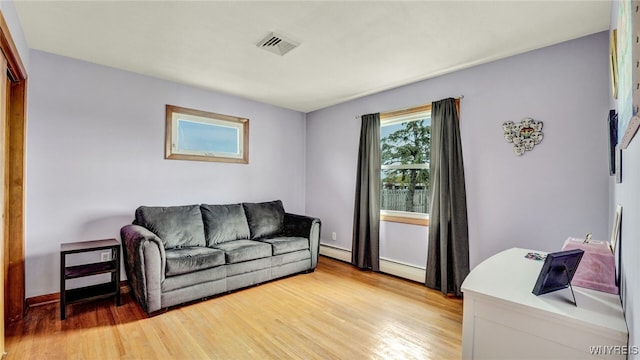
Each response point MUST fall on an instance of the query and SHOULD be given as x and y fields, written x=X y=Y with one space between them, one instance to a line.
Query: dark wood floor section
x=337 y=312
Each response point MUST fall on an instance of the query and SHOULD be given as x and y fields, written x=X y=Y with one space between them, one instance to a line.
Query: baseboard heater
x=387 y=266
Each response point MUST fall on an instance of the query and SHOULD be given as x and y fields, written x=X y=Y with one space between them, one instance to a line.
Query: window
x=405 y=138
x=200 y=135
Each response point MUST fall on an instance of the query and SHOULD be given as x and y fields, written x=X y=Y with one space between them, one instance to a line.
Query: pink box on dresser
x=597 y=269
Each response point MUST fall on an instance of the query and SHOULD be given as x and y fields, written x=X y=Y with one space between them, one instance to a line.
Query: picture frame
x=615 y=229
x=558 y=271
x=205 y=136
x=618 y=164
x=612 y=121
x=613 y=62
x=628 y=81
x=624 y=58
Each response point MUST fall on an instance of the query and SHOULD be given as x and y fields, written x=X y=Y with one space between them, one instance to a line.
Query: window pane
x=203 y=137
x=405 y=190
x=405 y=184
x=406 y=143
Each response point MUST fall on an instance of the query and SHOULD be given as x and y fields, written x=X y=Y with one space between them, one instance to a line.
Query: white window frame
x=397 y=117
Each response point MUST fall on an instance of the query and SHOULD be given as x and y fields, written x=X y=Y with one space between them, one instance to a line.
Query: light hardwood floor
x=337 y=312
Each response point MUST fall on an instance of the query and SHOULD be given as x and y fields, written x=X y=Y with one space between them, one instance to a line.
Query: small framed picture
x=618 y=164
x=613 y=62
x=613 y=140
x=615 y=229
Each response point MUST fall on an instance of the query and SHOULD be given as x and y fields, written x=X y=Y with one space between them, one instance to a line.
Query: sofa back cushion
x=224 y=223
x=265 y=219
x=176 y=226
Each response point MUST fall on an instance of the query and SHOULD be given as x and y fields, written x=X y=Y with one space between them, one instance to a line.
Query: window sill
x=404 y=220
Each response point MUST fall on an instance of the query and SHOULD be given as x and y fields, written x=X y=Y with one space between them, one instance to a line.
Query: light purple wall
x=627 y=194
x=95 y=152
x=404 y=243
x=536 y=201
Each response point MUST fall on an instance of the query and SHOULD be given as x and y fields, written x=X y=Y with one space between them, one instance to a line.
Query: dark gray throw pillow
x=224 y=223
x=176 y=226
x=265 y=219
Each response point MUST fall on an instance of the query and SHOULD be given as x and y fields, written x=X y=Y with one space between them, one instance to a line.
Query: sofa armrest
x=307 y=227
x=145 y=263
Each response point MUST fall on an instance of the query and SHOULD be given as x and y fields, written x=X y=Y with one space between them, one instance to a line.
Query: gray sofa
x=179 y=254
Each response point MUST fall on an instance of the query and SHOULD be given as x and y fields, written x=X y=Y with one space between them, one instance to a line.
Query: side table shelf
x=93 y=292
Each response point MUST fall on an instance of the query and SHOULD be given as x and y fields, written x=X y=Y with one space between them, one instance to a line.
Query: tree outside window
x=404 y=151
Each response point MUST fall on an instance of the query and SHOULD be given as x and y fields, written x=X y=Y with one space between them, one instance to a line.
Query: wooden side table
x=93 y=292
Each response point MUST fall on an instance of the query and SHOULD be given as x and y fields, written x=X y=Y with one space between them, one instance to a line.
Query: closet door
x=13 y=100
x=4 y=149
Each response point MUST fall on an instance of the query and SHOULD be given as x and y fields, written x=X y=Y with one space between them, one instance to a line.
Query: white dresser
x=502 y=319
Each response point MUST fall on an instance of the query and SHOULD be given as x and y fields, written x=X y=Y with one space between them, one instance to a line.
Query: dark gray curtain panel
x=448 y=256
x=365 y=252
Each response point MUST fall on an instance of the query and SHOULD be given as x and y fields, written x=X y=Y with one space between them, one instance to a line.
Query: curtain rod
x=411 y=107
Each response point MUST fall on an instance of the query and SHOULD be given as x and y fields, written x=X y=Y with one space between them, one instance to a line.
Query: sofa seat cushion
x=186 y=260
x=244 y=250
x=183 y=281
x=224 y=223
x=287 y=244
x=265 y=219
x=176 y=226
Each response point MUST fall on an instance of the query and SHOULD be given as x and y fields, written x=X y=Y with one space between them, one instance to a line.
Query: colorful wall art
x=524 y=135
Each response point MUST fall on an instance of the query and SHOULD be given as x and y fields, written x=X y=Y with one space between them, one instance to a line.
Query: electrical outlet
x=105 y=256
x=334 y=236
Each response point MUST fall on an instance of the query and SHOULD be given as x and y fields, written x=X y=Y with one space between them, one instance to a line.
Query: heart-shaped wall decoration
x=524 y=135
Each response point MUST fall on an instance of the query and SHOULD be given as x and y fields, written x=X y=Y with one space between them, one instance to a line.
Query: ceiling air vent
x=277 y=44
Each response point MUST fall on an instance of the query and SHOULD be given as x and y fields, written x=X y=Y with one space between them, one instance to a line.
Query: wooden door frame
x=14 y=222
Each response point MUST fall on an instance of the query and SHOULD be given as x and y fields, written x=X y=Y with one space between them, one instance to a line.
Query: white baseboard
x=335 y=253
x=387 y=266
x=405 y=271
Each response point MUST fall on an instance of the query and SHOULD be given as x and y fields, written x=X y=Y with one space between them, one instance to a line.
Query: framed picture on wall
x=613 y=62
x=618 y=164
x=615 y=229
x=613 y=140
x=628 y=48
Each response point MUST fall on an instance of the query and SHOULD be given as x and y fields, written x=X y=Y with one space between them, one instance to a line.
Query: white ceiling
x=348 y=48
